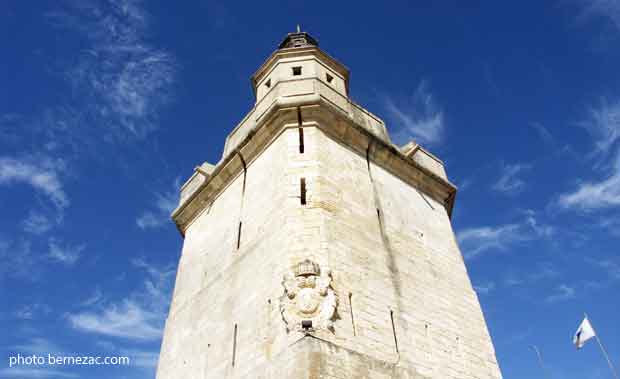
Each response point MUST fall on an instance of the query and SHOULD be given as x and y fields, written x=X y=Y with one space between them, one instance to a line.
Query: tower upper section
x=299 y=60
x=300 y=86
x=297 y=74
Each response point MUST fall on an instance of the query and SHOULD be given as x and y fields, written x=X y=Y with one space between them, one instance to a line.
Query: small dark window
x=301 y=140
x=329 y=78
x=302 y=185
x=268 y=83
x=296 y=70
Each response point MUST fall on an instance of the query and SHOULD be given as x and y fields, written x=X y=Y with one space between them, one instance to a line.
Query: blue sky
x=106 y=107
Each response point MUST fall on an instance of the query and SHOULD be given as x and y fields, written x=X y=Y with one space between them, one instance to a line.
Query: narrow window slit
x=296 y=70
x=302 y=185
x=268 y=83
x=394 y=330
x=239 y=235
x=234 y=352
x=299 y=120
x=301 y=140
x=329 y=78
x=301 y=131
x=352 y=316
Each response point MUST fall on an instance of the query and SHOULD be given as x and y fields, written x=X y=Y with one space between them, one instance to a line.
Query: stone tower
x=316 y=248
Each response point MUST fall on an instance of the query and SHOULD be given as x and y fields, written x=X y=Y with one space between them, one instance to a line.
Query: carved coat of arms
x=308 y=302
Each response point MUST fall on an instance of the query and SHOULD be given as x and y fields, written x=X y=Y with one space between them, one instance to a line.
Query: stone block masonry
x=317 y=249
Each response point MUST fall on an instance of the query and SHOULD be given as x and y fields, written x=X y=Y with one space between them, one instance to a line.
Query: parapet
x=299 y=86
x=200 y=176
x=424 y=158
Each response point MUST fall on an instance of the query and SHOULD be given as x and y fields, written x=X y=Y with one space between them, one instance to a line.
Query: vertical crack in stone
x=245 y=173
x=394 y=330
x=352 y=315
x=393 y=268
x=424 y=198
x=234 y=352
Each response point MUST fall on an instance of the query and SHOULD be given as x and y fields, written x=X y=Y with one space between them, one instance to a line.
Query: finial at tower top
x=298 y=39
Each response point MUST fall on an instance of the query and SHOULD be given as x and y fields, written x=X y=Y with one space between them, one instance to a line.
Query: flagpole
x=540 y=360
x=611 y=366
x=600 y=344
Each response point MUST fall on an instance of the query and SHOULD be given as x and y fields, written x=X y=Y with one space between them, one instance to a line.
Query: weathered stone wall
x=219 y=286
x=393 y=254
x=406 y=306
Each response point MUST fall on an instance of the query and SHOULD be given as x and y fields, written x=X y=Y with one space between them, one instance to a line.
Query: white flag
x=584 y=333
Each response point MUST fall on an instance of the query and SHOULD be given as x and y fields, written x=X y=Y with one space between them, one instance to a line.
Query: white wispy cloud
x=603 y=124
x=9 y=127
x=539 y=229
x=64 y=253
x=21 y=261
x=509 y=182
x=37 y=223
x=93 y=299
x=125 y=79
x=420 y=118
x=37 y=345
x=30 y=372
x=32 y=311
x=144 y=359
x=140 y=316
x=611 y=224
x=544 y=133
x=18 y=260
x=141 y=358
x=607 y=9
x=512 y=280
x=535 y=273
x=165 y=203
x=128 y=319
x=561 y=293
x=611 y=267
x=478 y=240
x=464 y=183
x=484 y=288
x=475 y=241
x=42 y=175
x=591 y=196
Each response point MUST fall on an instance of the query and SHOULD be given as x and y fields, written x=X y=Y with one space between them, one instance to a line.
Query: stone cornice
x=319 y=112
